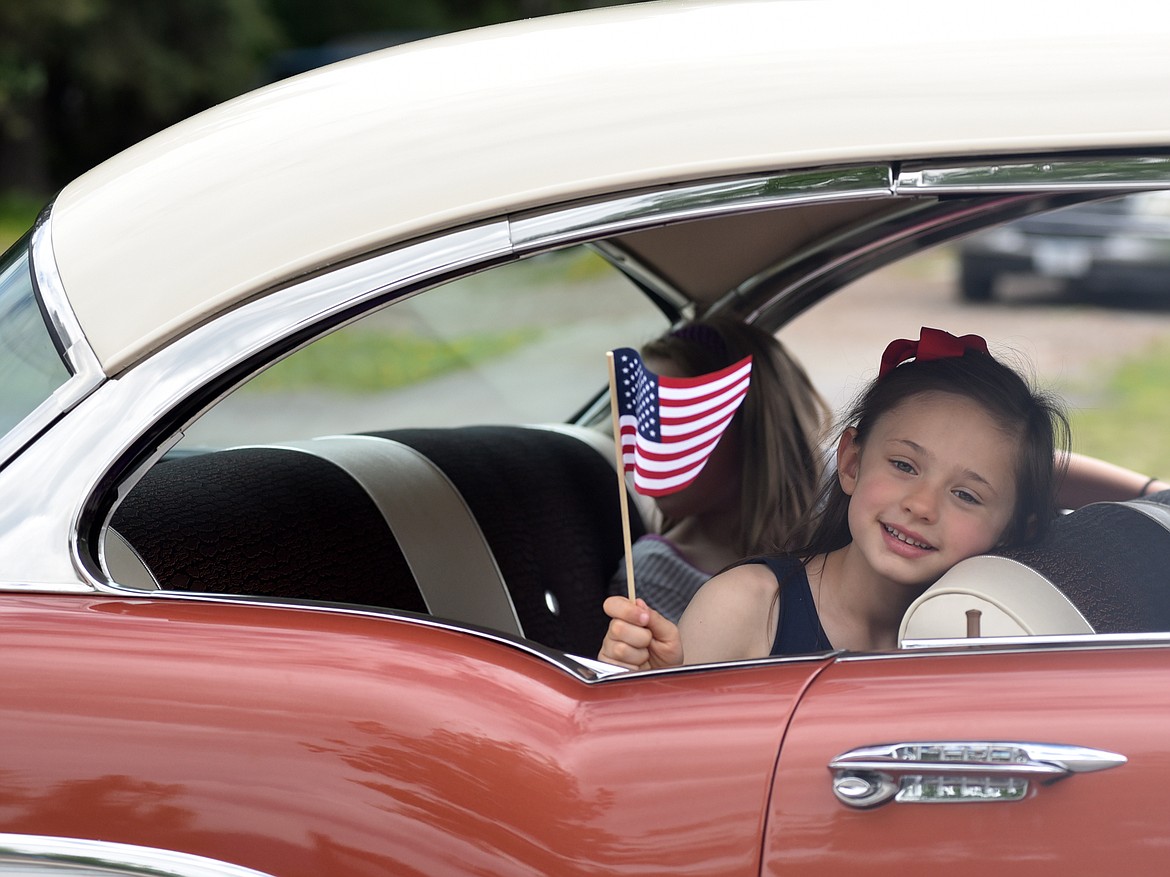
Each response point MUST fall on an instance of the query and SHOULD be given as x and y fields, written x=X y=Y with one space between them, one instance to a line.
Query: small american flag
x=670 y=426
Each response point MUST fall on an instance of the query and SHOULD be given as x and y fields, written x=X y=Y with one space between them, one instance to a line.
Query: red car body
x=312 y=742
x=308 y=742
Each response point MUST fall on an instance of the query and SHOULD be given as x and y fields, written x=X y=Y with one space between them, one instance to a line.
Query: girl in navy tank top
x=949 y=453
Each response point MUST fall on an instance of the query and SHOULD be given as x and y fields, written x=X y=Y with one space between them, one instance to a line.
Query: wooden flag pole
x=621 y=474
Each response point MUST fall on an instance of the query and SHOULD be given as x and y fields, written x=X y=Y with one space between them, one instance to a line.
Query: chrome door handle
x=957 y=771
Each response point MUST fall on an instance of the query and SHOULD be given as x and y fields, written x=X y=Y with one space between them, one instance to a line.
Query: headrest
x=1110 y=559
x=1012 y=600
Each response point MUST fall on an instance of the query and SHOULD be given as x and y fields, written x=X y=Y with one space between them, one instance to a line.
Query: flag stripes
x=670 y=426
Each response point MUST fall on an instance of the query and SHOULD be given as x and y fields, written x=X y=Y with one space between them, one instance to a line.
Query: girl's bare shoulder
x=749 y=582
x=732 y=616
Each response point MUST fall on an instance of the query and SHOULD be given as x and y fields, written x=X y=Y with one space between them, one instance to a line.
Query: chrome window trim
x=28 y=854
x=86 y=373
x=580 y=667
x=1124 y=173
x=1076 y=642
x=82 y=360
x=546 y=228
x=258 y=325
x=1021 y=181
x=942 y=648
x=822 y=658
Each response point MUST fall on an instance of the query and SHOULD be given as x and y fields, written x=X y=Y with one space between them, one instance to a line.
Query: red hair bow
x=932 y=344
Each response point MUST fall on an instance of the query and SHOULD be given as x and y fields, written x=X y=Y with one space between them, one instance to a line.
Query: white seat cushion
x=1012 y=599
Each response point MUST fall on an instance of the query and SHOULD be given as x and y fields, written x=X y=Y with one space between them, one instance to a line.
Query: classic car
x=254 y=622
x=1119 y=247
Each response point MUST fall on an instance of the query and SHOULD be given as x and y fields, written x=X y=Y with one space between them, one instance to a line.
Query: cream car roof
x=478 y=124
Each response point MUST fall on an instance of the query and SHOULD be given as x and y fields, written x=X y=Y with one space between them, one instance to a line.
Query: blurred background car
x=1120 y=246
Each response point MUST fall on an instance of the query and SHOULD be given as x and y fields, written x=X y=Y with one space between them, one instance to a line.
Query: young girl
x=759 y=482
x=948 y=454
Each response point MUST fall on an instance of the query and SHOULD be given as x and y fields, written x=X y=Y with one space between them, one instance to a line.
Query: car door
x=1002 y=761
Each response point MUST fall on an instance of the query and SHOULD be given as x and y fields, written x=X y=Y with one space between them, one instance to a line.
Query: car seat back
x=548 y=506
x=1112 y=560
x=1104 y=568
x=267 y=521
x=506 y=527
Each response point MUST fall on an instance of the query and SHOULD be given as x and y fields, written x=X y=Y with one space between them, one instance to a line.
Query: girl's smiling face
x=933 y=483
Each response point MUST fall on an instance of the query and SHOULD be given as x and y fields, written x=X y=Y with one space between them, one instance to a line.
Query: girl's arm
x=1091 y=480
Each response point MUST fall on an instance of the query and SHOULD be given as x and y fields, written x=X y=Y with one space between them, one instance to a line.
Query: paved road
x=1066 y=345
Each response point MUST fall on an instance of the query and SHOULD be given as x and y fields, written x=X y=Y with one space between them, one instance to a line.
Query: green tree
x=82 y=79
x=27 y=33
x=310 y=22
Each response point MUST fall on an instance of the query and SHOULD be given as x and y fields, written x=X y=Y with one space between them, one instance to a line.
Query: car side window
x=423 y=459
x=1107 y=558
x=520 y=343
x=1112 y=377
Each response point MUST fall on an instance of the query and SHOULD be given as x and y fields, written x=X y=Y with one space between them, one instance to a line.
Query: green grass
x=1130 y=421
x=366 y=361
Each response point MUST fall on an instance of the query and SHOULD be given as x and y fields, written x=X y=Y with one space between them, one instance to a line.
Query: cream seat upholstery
x=1012 y=600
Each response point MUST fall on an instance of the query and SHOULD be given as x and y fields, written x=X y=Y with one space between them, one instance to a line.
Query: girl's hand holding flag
x=639 y=638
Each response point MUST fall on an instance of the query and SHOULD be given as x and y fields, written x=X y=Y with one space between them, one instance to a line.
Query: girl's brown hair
x=781 y=426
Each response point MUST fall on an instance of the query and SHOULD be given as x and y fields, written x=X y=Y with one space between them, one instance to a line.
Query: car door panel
x=1111 y=700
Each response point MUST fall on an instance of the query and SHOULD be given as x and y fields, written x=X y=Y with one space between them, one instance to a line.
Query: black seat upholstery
x=548 y=507
x=284 y=522
x=265 y=521
x=1113 y=561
